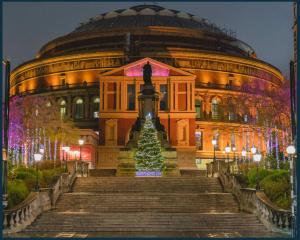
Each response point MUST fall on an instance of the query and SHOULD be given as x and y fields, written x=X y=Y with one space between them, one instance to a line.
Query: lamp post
x=244 y=154
x=6 y=63
x=253 y=150
x=234 y=149
x=257 y=158
x=214 y=143
x=65 y=149
x=227 y=150
x=81 y=142
x=37 y=158
x=291 y=150
x=75 y=155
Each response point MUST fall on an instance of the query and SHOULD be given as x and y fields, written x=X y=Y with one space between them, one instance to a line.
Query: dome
x=149 y=27
x=146 y=15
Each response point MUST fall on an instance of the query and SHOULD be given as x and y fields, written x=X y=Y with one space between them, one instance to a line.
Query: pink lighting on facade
x=137 y=70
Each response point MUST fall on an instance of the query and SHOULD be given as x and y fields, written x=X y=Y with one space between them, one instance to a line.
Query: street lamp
x=75 y=155
x=65 y=149
x=227 y=150
x=291 y=150
x=253 y=149
x=257 y=158
x=37 y=158
x=81 y=142
x=214 y=143
x=244 y=154
x=233 y=149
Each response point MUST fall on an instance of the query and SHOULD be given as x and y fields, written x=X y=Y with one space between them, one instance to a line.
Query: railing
x=252 y=200
x=22 y=215
x=245 y=89
x=59 y=87
x=225 y=118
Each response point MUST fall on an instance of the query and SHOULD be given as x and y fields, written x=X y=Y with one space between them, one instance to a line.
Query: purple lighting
x=137 y=71
x=148 y=174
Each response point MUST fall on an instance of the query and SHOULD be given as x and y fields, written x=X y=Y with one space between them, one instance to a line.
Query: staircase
x=191 y=206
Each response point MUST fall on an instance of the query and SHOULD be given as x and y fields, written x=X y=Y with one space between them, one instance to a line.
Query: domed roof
x=146 y=15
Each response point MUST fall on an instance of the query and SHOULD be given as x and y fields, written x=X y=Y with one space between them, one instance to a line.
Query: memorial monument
x=148 y=108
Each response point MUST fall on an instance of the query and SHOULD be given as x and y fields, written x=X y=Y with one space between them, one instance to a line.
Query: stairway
x=146 y=207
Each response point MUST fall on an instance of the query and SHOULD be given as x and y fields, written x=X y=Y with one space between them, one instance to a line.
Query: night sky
x=267 y=27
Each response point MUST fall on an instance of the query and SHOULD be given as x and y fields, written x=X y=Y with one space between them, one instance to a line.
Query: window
x=232 y=139
x=247 y=141
x=163 y=104
x=111 y=96
x=96 y=106
x=198 y=107
x=79 y=109
x=182 y=96
x=62 y=108
x=199 y=140
x=215 y=109
x=131 y=97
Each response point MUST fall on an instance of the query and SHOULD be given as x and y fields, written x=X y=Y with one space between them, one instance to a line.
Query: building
x=202 y=73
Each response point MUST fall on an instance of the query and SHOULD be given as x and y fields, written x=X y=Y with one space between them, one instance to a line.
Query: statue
x=147 y=73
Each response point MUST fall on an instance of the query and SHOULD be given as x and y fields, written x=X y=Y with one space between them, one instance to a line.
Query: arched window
x=231 y=112
x=215 y=109
x=95 y=107
x=198 y=107
x=62 y=108
x=79 y=109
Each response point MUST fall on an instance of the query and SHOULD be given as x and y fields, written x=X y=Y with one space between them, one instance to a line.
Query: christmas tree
x=148 y=156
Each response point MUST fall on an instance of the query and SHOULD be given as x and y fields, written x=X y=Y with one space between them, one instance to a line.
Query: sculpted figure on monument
x=147 y=73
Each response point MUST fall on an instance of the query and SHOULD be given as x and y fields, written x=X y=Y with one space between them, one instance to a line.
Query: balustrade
x=22 y=215
x=253 y=201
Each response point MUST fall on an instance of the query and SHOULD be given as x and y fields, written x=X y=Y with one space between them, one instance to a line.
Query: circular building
x=204 y=76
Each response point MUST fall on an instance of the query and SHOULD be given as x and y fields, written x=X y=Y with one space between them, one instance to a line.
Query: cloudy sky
x=267 y=27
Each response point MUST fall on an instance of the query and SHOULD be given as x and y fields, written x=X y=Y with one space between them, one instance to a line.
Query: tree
x=148 y=156
x=35 y=122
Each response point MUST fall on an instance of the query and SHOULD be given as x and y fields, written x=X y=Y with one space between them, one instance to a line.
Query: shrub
x=28 y=175
x=277 y=188
x=49 y=164
x=50 y=176
x=253 y=178
x=17 y=192
x=242 y=180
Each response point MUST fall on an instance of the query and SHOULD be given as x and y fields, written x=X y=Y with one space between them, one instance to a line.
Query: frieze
x=69 y=66
x=108 y=62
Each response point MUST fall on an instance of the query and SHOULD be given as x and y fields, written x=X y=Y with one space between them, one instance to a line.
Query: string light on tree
x=148 y=156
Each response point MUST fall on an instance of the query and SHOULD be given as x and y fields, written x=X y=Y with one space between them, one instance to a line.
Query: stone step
x=102 y=172
x=187 y=206
x=144 y=184
x=195 y=234
x=212 y=202
x=190 y=173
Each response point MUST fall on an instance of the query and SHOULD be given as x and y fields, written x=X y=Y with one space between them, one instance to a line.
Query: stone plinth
x=126 y=166
x=171 y=162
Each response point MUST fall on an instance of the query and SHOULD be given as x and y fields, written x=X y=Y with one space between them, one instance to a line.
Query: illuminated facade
x=95 y=74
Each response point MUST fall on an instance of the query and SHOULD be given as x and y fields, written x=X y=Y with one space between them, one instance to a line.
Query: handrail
x=254 y=201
